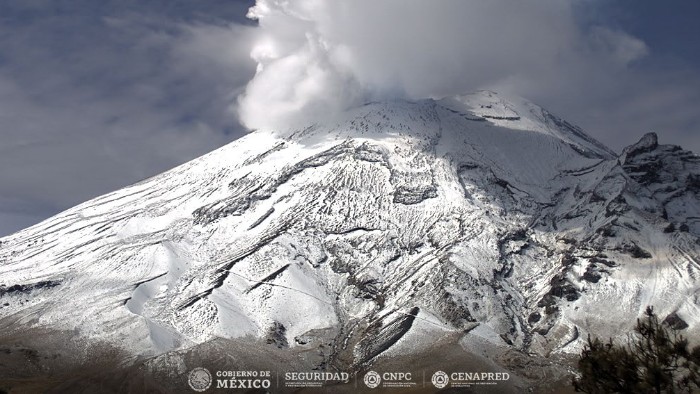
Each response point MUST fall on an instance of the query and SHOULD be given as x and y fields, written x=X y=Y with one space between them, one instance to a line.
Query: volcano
x=479 y=218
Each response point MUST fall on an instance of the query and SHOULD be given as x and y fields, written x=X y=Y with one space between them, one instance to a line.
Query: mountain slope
x=475 y=213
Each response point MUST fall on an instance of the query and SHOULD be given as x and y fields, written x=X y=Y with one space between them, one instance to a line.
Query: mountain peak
x=471 y=115
x=517 y=113
x=468 y=211
x=647 y=143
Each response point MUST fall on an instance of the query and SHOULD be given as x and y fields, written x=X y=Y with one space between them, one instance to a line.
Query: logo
x=372 y=379
x=314 y=379
x=440 y=380
x=472 y=379
x=199 y=379
x=243 y=379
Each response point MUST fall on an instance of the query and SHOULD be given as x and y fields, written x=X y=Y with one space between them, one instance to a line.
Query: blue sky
x=96 y=95
x=669 y=27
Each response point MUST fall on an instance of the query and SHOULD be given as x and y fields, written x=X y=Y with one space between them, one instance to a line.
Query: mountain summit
x=478 y=216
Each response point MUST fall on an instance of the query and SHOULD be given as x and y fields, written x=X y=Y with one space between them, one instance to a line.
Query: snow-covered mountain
x=477 y=214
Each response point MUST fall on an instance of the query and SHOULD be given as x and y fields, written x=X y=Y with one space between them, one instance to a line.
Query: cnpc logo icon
x=373 y=379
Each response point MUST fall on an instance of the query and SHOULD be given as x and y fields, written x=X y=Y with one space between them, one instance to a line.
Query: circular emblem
x=440 y=380
x=199 y=379
x=372 y=379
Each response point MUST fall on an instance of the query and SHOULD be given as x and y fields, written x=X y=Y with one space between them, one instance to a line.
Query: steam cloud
x=316 y=57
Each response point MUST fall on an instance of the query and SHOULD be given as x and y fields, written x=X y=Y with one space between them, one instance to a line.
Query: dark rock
x=506 y=339
x=635 y=251
x=560 y=288
x=546 y=301
x=600 y=260
x=693 y=183
x=591 y=274
x=25 y=289
x=675 y=322
x=408 y=195
x=501 y=117
x=595 y=197
x=368 y=289
x=542 y=331
x=381 y=336
x=276 y=335
x=551 y=309
x=534 y=317
x=606 y=232
x=645 y=173
x=568 y=260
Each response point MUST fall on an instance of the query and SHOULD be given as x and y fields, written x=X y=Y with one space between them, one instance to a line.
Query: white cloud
x=621 y=47
x=315 y=57
x=90 y=102
x=97 y=95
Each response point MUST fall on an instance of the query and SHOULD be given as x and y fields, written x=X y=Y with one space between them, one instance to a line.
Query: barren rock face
x=398 y=222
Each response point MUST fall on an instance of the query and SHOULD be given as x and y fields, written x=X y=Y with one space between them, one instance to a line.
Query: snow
x=480 y=210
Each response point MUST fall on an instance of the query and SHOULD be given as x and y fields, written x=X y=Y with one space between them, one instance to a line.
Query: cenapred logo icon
x=199 y=379
x=372 y=379
x=440 y=380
